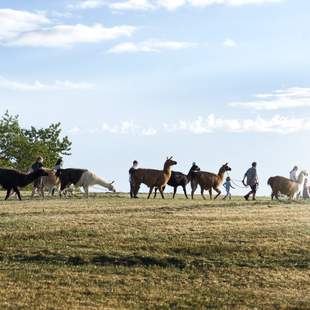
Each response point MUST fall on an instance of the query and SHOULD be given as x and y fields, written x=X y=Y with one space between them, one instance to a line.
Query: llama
x=11 y=179
x=179 y=179
x=152 y=178
x=286 y=186
x=81 y=178
x=209 y=181
x=50 y=182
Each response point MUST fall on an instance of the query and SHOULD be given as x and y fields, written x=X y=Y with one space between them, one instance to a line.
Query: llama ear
x=170 y=157
x=112 y=182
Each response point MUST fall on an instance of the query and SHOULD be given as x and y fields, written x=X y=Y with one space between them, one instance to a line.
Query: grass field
x=115 y=253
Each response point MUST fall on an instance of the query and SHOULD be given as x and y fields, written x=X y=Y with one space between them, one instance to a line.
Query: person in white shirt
x=293 y=174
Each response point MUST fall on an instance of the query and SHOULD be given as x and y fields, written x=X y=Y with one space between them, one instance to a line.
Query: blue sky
x=209 y=81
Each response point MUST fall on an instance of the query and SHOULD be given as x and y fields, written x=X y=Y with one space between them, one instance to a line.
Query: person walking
x=59 y=164
x=38 y=164
x=305 y=192
x=228 y=186
x=132 y=185
x=293 y=174
x=252 y=181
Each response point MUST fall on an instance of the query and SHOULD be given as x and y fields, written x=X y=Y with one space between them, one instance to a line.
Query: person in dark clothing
x=251 y=180
x=131 y=170
x=38 y=182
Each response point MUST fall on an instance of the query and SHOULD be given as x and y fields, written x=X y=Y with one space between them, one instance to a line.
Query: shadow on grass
x=104 y=260
x=202 y=263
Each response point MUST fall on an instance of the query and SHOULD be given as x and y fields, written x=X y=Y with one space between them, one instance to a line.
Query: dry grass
x=116 y=253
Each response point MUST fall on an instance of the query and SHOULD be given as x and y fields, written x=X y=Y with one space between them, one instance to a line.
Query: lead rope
x=234 y=182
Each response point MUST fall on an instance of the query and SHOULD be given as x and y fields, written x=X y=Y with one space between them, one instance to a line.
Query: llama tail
x=270 y=181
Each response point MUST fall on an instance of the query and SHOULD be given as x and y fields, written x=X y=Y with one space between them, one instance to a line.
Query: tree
x=19 y=147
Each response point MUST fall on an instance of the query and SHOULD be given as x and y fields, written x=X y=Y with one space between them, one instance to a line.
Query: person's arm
x=245 y=175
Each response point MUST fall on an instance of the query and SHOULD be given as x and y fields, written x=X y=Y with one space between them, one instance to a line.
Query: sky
x=205 y=81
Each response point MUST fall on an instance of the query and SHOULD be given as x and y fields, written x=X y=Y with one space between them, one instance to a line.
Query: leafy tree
x=19 y=147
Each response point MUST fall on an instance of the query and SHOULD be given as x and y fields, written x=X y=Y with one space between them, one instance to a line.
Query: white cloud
x=203 y=3
x=39 y=86
x=124 y=127
x=68 y=35
x=87 y=4
x=294 y=97
x=229 y=43
x=74 y=130
x=22 y=28
x=14 y=23
x=210 y=124
x=150 y=46
x=166 y=4
x=143 y=5
x=149 y=132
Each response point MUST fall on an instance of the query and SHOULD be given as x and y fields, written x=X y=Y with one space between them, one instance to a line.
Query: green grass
x=115 y=253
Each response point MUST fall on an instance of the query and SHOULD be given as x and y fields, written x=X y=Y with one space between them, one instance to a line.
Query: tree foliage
x=19 y=147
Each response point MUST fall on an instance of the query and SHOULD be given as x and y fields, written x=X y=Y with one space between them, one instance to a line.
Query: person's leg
x=254 y=188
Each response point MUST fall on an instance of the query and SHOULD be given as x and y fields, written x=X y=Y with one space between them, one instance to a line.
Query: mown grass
x=115 y=253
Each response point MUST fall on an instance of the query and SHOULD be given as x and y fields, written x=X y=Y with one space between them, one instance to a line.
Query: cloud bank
x=39 y=86
x=290 y=98
x=150 y=46
x=207 y=125
x=146 y=5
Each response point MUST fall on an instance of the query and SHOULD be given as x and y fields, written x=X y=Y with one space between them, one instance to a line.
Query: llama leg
x=155 y=194
x=210 y=193
x=194 y=187
x=150 y=192
x=8 y=193
x=202 y=194
x=17 y=192
x=174 y=192
x=184 y=190
x=86 y=190
x=42 y=192
x=218 y=193
x=161 y=192
x=33 y=191
x=136 y=188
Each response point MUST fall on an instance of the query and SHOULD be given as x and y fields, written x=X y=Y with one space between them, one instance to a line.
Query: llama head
x=111 y=187
x=195 y=167
x=170 y=162
x=225 y=168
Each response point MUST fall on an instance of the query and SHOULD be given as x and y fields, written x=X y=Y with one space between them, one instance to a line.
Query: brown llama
x=208 y=181
x=50 y=182
x=282 y=185
x=152 y=178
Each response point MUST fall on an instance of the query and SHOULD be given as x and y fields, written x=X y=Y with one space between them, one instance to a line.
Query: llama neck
x=102 y=183
x=221 y=174
x=167 y=171
x=301 y=179
x=26 y=179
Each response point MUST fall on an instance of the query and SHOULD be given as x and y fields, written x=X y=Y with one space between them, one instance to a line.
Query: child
x=58 y=165
x=38 y=182
x=131 y=170
x=228 y=186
